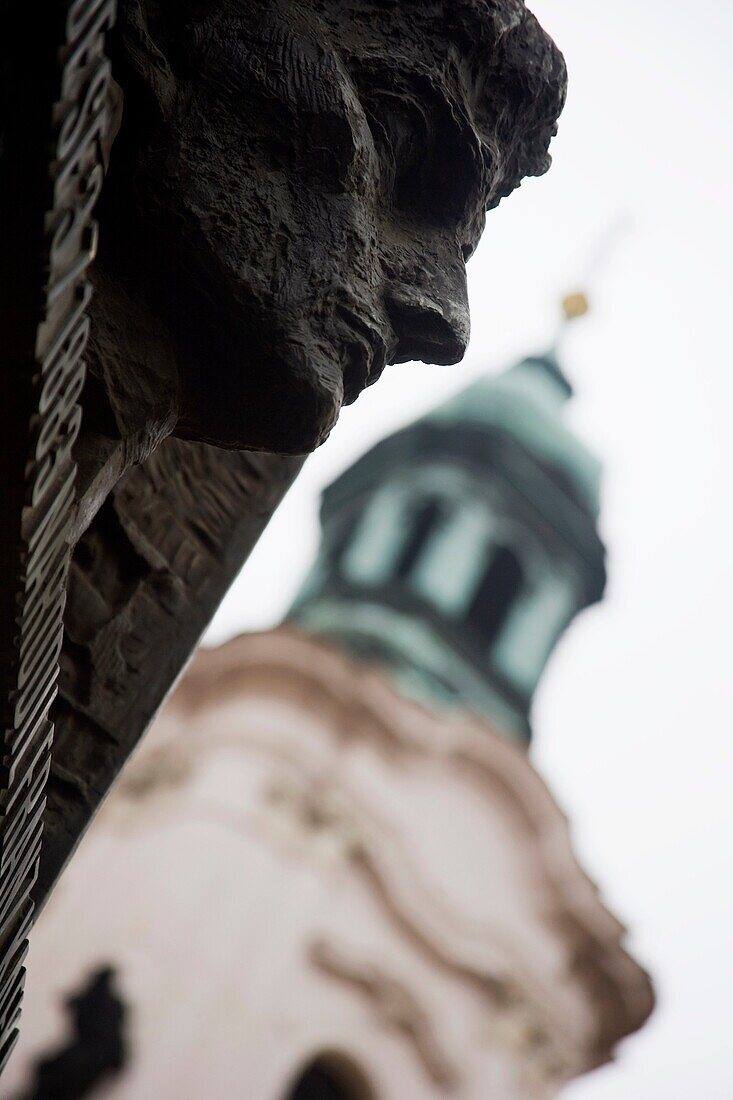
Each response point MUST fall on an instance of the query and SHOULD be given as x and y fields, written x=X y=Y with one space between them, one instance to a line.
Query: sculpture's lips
x=365 y=354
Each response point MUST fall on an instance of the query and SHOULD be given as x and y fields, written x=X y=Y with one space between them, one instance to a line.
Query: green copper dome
x=528 y=401
x=458 y=549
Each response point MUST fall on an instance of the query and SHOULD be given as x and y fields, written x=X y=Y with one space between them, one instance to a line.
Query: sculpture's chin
x=288 y=412
x=275 y=437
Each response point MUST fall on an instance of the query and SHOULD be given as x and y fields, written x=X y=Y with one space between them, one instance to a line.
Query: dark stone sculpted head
x=292 y=195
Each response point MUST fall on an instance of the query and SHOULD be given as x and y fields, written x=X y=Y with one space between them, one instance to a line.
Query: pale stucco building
x=331 y=872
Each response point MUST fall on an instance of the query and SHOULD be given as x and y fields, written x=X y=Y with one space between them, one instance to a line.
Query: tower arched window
x=498 y=589
x=330 y=1077
x=421 y=525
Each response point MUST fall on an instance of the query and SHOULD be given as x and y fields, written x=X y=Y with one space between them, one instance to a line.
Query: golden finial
x=575 y=305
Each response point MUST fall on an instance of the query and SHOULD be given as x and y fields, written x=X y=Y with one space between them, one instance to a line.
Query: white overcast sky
x=633 y=717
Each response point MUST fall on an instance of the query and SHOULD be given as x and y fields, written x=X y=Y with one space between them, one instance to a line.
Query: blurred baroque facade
x=331 y=872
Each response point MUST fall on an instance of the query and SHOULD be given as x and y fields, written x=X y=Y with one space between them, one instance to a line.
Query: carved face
x=296 y=188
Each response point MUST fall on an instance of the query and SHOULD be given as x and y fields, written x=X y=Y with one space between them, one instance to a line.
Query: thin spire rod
x=576 y=303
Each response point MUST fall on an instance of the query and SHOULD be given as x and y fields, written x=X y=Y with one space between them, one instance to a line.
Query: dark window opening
x=421 y=525
x=341 y=540
x=497 y=592
x=330 y=1077
x=96 y=1050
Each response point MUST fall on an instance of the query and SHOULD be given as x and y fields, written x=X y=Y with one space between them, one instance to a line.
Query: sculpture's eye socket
x=403 y=140
x=429 y=164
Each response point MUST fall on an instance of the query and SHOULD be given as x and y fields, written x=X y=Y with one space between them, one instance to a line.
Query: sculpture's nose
x=429 y=327
x=426 y=329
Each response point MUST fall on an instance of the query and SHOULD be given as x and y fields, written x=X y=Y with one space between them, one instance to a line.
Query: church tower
x=457 y=550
